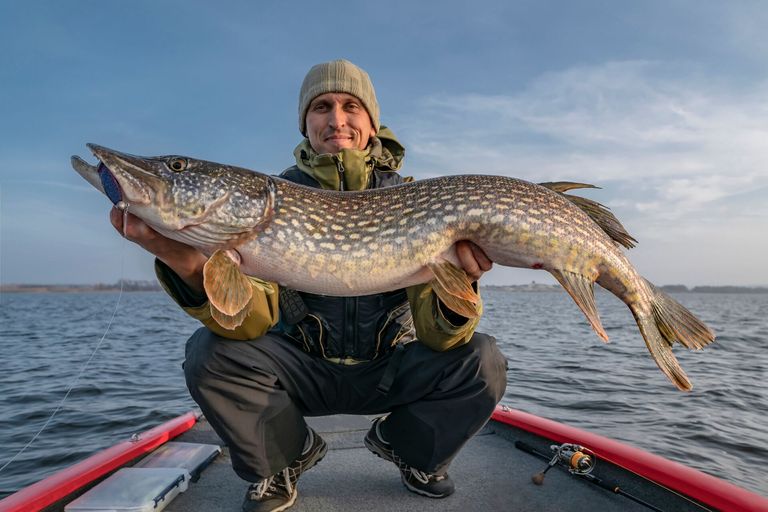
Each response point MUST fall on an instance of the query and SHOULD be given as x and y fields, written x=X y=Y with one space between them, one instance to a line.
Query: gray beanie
x=337 y=76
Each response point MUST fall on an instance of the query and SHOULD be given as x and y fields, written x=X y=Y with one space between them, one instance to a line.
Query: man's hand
x=472 y=259
x=183 y=259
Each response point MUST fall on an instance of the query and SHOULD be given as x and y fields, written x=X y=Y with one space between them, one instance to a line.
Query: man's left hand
x=472 y=259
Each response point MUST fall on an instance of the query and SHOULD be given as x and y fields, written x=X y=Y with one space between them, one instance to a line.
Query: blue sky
x=663 y=104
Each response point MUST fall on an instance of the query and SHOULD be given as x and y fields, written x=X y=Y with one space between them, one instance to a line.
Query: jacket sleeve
x=264 y=313
x=436 y=326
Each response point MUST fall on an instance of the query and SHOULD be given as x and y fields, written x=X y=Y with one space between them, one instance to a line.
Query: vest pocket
x=396 y=327
x=316 y=330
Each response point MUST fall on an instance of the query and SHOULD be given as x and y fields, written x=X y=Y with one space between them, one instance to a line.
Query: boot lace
x=278 y=484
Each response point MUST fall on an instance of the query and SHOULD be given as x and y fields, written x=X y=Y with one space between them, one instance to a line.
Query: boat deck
x=490 y=474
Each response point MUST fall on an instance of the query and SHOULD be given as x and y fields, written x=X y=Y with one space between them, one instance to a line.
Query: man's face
x=337 y=120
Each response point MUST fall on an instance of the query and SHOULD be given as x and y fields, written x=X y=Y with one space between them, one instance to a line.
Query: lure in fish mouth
x=134 y=183
x=183 y=198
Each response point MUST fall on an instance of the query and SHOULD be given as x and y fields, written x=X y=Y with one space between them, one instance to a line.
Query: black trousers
x=256 y=393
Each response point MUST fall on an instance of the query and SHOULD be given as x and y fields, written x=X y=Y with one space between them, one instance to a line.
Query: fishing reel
x=575 y=458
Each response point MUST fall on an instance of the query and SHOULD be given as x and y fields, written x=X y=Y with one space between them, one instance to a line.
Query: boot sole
x=421 y=492
x=288 y=504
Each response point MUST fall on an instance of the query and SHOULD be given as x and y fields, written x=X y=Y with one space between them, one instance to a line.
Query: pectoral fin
x=454 y=289
x=228 y=289
x=580 y=288
x=230 y=321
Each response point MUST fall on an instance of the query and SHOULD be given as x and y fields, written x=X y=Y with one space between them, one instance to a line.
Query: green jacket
x=348 y=170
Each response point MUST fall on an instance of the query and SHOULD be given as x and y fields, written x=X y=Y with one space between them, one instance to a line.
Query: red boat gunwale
x=700 y=486
x=59 y=485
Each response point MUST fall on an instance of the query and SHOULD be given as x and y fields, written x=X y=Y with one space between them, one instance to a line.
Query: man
x=400 y=353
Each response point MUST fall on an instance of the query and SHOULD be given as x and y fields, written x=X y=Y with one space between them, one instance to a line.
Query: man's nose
x=337 y=118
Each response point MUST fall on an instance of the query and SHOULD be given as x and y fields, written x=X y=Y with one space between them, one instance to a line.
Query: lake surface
x=558 y=368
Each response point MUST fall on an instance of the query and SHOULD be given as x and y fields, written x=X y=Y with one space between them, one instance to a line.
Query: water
x=559 y=369
x=133 y=383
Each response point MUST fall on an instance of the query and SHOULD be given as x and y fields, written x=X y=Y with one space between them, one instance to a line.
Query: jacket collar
x=351 y=168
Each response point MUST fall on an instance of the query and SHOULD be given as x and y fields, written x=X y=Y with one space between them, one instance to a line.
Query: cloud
x=670 y=139
x=681 y=156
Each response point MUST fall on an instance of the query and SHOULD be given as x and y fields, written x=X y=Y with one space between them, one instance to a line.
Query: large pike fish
x=364 y=242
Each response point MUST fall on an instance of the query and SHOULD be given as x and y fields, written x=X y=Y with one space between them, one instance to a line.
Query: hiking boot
x=415 y=480
x=278 y=492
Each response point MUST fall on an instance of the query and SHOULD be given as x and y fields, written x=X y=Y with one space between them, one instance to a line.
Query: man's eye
x=319 y=108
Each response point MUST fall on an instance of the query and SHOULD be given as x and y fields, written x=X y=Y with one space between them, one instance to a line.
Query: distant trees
x=131 y=285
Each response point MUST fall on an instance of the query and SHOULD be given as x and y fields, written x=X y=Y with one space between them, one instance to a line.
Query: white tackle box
x=133 y=490
x=194 y=457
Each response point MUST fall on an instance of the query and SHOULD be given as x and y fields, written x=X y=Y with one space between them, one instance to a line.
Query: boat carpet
x=490 y=474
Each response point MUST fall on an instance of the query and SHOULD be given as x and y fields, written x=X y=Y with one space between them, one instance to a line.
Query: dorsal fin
x=596 y=211
x=565 y=186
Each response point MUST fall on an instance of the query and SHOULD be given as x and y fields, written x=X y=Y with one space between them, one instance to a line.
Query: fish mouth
x=89 y=172
x=123 y=177
x=109 y=182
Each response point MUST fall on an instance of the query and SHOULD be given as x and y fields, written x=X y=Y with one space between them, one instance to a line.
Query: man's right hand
x=183 y=259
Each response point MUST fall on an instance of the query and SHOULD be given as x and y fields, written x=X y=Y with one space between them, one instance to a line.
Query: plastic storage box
x=194 y=457
x=133 y=490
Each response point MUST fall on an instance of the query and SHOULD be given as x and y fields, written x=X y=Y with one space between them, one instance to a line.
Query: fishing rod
x=579 y=462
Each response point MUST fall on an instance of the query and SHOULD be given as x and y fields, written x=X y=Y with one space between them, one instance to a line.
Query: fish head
x=204 y=204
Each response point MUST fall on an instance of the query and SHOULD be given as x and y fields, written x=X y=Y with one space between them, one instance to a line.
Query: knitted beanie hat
x=337 y=76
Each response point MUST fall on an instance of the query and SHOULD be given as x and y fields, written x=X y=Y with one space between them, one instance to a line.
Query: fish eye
x=177 y=164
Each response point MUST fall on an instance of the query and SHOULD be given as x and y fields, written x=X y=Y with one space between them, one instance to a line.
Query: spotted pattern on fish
x=372 y=241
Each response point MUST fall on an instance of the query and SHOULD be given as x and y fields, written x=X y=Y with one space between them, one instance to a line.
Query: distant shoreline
x=673 y=288
x=126 y=286
x=154 y=286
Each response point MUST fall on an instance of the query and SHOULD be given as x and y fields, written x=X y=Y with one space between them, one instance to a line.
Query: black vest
x=342 y=328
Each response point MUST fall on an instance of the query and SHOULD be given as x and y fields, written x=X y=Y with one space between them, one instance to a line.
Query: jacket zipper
x=340 y=169
x=355 y=326
x=349 y=336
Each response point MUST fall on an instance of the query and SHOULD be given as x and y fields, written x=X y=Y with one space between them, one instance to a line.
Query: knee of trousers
x=492 y=365
x=211 y=359
x=203 y=358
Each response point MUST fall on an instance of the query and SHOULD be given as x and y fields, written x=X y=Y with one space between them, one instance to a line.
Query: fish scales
x=399 y=229
x=365 y=242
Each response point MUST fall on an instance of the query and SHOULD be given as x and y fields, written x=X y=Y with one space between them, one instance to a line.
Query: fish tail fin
x=581 y=290
x=671 y=322
x=661 y=351
x=677 y=324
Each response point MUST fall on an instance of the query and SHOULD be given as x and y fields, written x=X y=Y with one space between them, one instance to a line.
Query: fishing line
x=98 y=345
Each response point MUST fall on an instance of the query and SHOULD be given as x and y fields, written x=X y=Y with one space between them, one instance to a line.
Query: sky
x=662 y=104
